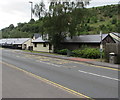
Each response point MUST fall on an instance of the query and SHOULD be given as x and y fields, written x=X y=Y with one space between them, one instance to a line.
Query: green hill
x=97 y=19
x=104 y=18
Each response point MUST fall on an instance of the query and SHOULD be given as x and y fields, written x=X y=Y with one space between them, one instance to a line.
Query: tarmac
x=89 y=61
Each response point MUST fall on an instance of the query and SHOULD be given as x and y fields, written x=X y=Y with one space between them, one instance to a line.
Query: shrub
x=63 y=51
x=91 y=53
x=87 y=53
x=77 y=53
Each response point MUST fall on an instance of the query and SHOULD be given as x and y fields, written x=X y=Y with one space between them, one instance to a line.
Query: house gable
x=108 y=39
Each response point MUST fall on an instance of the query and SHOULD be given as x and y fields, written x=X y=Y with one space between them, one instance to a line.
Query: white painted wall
x=28 y=43
x=41 y=48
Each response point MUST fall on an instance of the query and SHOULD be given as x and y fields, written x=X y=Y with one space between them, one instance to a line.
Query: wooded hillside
x=81 y=21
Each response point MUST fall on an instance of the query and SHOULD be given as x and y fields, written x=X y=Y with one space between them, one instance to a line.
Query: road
x=75 y=77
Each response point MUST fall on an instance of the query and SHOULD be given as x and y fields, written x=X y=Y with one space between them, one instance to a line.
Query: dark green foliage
x=87 y=53
x=63 y=51
x=118 y=26
x=102 y=27
x=77 y=53
x=114 y=21
x=11 y=27
x=84 y=52
x=102 y=19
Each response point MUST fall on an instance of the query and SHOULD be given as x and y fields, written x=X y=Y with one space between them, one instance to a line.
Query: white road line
x=55 y=64
x=98 y=75
x=49 y=63
x=18 y=56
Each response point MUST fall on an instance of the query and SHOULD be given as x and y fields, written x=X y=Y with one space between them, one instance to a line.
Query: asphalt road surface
x=76 y=78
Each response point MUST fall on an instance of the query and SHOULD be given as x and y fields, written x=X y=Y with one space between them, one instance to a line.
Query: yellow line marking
x=49 y=82
x=79 y=63
x=82 y=63
x=106 y=67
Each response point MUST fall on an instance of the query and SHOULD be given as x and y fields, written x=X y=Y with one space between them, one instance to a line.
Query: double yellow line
x=50 y=82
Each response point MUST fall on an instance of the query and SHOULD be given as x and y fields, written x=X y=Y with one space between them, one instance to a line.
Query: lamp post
x=101 y=46
x=31 y=7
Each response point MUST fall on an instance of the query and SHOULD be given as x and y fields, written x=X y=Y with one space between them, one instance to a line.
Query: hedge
x=87 y=53
x=63 y=51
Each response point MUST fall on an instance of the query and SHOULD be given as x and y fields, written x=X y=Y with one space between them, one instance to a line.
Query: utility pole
x=101 y=46
x=31 y=7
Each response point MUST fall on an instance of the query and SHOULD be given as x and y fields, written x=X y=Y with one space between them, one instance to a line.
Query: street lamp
x=101 y=46
x=31 y=7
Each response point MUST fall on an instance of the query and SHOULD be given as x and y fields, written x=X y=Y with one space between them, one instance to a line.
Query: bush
x=114 y=21
x=77 y=53
x=63 y=51
x=87 y=53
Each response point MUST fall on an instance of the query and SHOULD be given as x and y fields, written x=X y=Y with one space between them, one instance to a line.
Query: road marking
x=106 y=67
x=56 y=65
x=48 y=63
x=98 y=75
x=98 y=66
x=18 y=56
x=75 y=62
x=49 y=82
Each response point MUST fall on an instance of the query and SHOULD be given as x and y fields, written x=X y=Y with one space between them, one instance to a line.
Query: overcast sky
x=15 y=11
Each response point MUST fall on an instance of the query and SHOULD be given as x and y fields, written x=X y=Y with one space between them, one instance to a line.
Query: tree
x=11 y=26
x=56 y=25
x=62 y=20
x=114 y=21
x=118 y=26
x=39 y=10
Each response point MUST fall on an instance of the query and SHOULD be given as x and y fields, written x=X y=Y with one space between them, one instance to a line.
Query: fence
x=112 y=47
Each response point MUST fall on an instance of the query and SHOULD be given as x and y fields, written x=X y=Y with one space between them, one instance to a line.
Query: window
x=44 y=44
x=35 y=45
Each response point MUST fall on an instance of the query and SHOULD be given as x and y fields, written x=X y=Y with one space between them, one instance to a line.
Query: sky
x=15 y=11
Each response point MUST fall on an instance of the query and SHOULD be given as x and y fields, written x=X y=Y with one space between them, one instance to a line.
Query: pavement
x=89 y=61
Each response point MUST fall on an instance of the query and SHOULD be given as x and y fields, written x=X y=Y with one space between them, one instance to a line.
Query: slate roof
x=21 y=40
x=11 y=41
x=115 y=36
x=36 y=35
x=39 y=40
x=86 y=39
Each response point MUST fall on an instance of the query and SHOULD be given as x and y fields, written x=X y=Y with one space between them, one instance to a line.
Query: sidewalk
x=89 y=61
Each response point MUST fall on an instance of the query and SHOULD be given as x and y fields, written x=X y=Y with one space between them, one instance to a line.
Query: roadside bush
x=77 y=53
x=91 y=53
x=63 y=51
x=87 y=53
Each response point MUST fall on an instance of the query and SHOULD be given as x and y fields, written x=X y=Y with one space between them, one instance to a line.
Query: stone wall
x=112 y=47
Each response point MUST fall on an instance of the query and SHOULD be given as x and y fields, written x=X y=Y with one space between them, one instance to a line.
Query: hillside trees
x=67 y=19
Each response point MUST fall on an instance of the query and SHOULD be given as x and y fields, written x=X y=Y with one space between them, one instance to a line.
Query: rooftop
x=40 y=40
x=13 y=40
x=115 y=36
x=86 y=38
